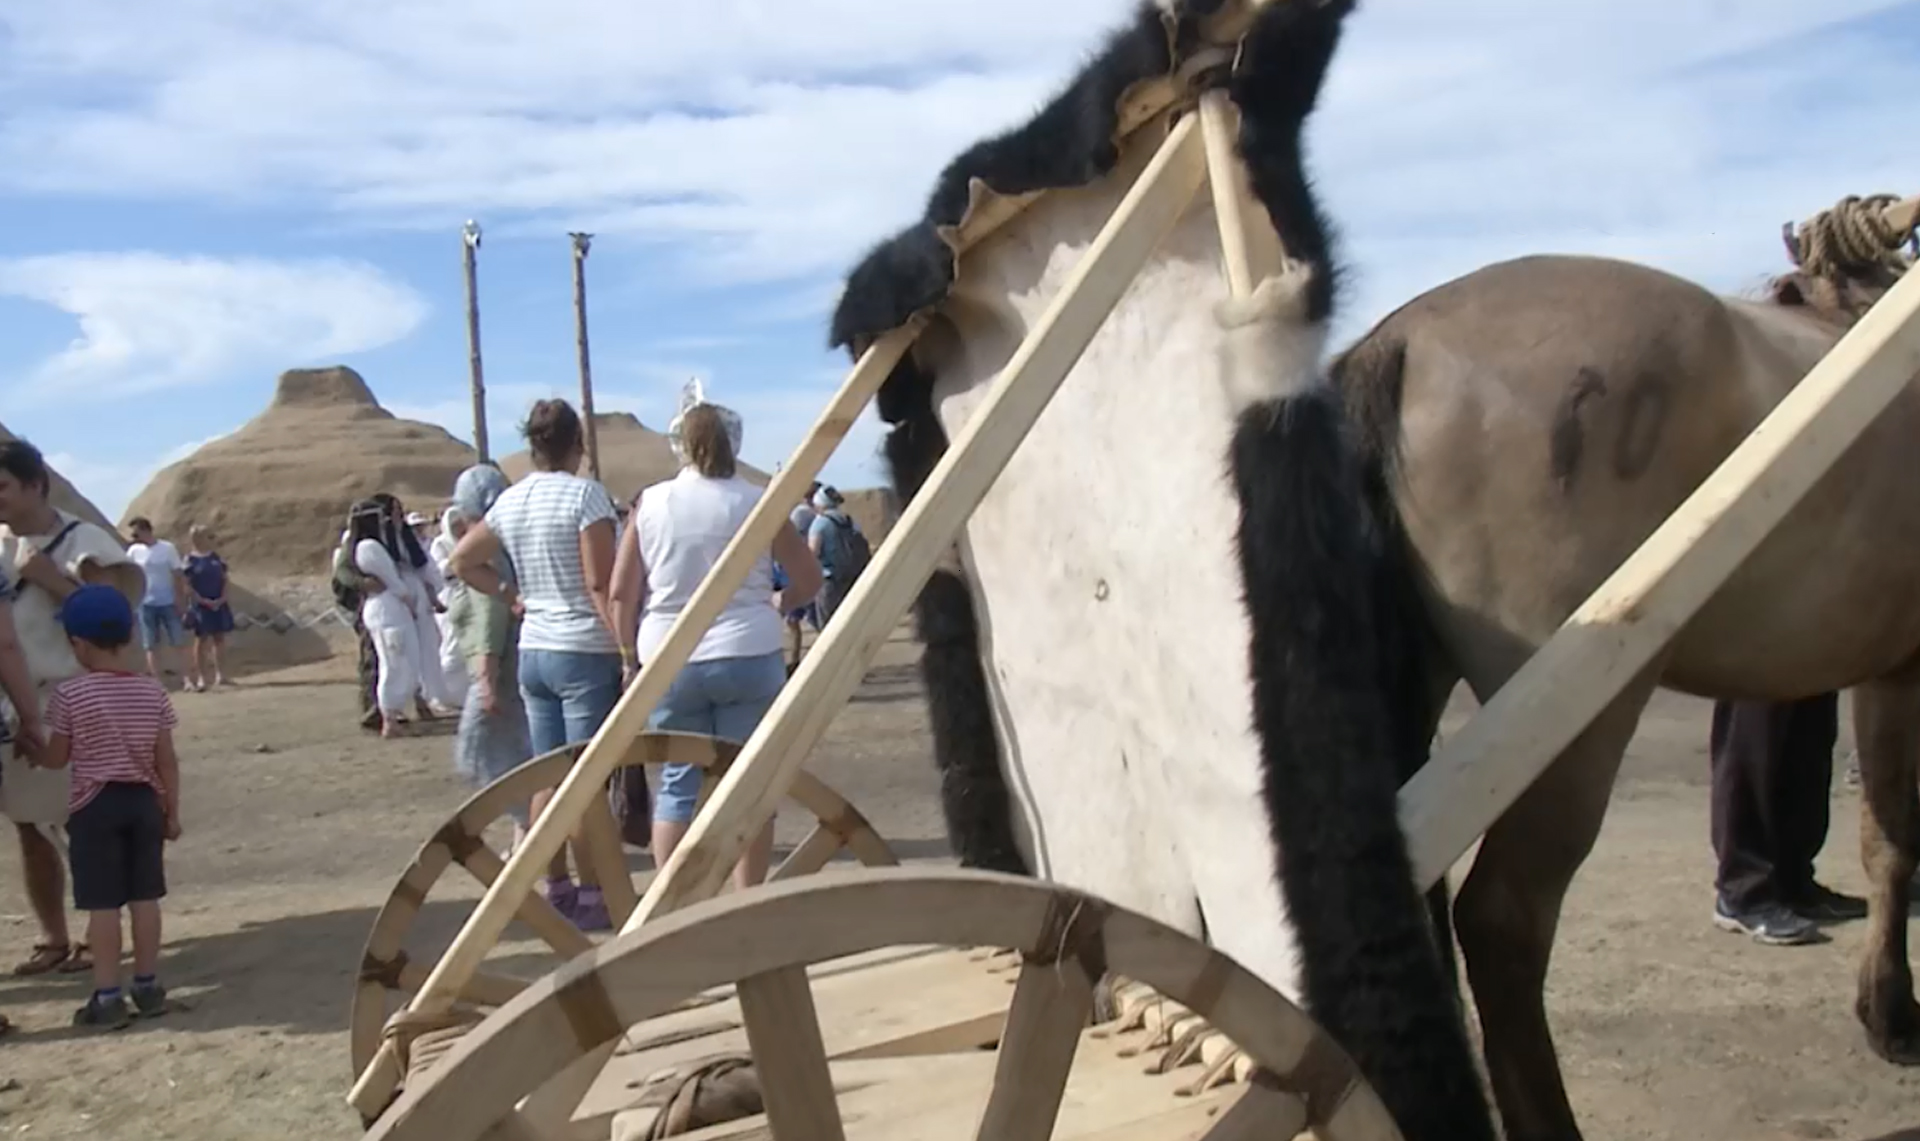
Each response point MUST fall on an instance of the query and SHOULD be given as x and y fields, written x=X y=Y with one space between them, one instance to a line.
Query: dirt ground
x=297 y=824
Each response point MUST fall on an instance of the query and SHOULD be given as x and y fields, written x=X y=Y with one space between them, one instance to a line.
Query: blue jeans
x=722 y=697
x=157 y=620
x=568 y=694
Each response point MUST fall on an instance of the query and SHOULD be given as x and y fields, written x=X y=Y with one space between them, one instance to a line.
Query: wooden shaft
x=586 y=363
x=752 y=788
x=629 y=717
x=477 y=382
x=1217 y=121
x=1617 y=632
x=1904 y=216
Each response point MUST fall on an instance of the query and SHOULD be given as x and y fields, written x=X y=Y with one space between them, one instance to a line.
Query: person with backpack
x=836 y=540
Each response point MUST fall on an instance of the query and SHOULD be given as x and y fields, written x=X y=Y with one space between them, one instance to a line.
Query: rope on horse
x=1852 y=236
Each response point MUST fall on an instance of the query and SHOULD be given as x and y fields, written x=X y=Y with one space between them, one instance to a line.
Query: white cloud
x=763 y=140
x=751 y=140
x=150 y=321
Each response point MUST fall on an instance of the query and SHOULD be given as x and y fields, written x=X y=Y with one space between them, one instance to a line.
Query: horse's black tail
x=1340 y=707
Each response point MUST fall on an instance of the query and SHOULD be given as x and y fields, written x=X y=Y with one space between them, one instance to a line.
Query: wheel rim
x=1066 y=938
x=387 y=970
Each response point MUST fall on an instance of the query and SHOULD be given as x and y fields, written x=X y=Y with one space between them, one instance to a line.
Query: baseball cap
x=97 y=613
x=415 y=519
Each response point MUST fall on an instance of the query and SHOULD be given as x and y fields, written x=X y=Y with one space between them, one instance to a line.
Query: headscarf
x=396 y=536
x=474 y=494
x=692 y=395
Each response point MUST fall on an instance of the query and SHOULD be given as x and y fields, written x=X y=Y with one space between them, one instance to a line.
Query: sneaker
x=1769 y=923
x=149 y=1001
x=590 y=911
x=1821 y=904
x=563 y=895
x=112 y=1015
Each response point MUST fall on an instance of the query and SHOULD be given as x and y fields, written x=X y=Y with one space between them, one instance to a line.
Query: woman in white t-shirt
x=680 y=527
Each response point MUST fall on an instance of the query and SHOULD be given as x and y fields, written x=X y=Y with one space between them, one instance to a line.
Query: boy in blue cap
x=114 y=729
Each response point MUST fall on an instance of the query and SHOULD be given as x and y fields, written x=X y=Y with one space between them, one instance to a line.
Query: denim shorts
x=567 y=694
x=721 y=697
x=158 y=620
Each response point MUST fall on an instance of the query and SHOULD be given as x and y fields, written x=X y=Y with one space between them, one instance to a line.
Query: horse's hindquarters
x=1103 y=574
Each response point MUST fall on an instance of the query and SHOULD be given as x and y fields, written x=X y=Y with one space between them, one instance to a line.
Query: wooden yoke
x=750 y=792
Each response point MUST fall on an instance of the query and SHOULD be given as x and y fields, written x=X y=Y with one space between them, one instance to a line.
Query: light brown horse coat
x=1552 y=412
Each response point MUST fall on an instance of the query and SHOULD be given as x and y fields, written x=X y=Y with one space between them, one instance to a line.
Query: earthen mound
x=276 y=491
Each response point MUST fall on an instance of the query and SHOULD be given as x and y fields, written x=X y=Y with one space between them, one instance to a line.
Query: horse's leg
x=1886 y=720
x=1509 y=907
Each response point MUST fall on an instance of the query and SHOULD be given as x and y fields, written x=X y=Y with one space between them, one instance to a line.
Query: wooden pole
x=581 y=243
x=470 y=245
x=1618 y=631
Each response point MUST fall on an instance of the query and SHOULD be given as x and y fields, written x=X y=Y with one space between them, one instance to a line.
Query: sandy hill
x=632 y=456
x=270 y=636
x=276 y=491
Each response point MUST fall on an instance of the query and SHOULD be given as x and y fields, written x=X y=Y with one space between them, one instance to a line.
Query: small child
x=115 y=728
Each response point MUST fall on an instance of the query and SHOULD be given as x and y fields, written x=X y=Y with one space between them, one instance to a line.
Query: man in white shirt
x=47 y=554
x=163 y=606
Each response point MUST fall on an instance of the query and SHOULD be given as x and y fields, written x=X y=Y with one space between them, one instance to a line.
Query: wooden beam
x=1617 y=632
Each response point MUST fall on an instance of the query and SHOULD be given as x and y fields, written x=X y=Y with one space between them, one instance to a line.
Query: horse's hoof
x=1896 y=1038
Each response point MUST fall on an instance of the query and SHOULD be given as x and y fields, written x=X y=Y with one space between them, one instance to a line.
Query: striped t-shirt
x=538 y=521
x=114 y=720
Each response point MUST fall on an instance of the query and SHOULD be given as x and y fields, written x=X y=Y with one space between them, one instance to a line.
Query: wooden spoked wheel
x=388 y=974
x=764 y=941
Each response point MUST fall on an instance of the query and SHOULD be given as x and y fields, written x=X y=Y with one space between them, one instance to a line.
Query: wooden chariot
x=886 y=1002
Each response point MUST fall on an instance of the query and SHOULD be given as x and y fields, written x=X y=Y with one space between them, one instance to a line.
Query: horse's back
x=1555 y=410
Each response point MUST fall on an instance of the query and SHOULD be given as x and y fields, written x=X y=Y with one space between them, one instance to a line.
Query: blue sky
x=196 y=194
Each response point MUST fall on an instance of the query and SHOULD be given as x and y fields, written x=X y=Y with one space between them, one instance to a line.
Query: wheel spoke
x=810 y=855
x=1262 y=1113
x=609 y=861
x=1052 y=1004
x=784 y=1034
x=535 y=911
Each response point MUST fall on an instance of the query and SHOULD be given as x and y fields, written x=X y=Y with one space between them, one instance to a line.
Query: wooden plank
x=1618 y=631
x=935 y=1002
x=788 y=1056
x=937 y=1098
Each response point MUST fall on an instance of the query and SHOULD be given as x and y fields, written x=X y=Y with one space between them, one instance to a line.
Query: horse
x=1102 y=713
x=1522 y=429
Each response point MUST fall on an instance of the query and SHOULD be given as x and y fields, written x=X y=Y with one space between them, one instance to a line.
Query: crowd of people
x=537 y=602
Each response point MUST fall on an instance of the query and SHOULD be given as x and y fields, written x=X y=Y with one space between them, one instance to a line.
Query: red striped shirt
x=114 y=720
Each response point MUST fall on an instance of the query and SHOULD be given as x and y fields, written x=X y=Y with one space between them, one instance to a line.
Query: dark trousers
x=368 y=666
x=1772 y=776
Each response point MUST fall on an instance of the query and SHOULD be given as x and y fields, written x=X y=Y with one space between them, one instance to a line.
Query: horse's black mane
x=1069 y=142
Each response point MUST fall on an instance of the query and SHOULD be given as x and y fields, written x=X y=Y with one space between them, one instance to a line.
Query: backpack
x=846 y=549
